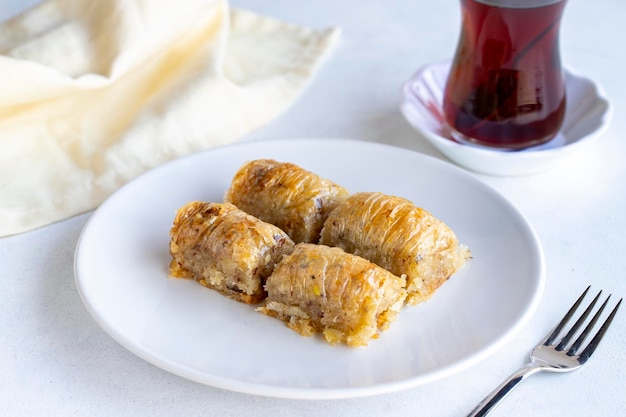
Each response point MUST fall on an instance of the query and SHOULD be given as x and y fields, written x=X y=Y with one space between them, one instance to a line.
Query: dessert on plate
x=397 y=235
x=345 y=297
x=226 y=249
x=283 y=194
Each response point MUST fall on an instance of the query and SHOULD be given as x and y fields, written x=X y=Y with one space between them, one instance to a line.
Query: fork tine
x=598 y=337
x=555 y=332
x=580 y=321
x=592 y=322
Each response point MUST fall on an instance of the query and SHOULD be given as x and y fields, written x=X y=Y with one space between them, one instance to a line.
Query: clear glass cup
x=506 y=88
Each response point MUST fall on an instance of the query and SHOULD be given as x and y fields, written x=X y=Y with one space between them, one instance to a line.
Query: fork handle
x=503 y=389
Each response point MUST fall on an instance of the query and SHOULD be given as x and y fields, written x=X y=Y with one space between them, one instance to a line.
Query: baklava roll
x=398 y=236
x=283 y=194
x=226 y=249
x=345 y=297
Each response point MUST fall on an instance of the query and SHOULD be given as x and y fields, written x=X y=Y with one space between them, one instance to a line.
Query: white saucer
x=587 y=115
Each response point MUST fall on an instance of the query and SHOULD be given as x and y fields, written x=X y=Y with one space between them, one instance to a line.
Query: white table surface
x=56 y=361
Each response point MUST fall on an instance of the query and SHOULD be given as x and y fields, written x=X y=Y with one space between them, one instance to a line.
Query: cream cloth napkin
x=93 y=93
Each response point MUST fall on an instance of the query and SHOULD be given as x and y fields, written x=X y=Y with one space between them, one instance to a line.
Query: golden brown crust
x=226 y=249
x=398 y=236
x=322 y=289
x=283 y=194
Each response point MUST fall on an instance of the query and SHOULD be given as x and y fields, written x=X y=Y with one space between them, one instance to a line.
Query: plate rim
x=315 y=393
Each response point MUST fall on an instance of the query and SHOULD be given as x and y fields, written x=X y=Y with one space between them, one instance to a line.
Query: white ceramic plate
x=122 y=258
x=587 y=114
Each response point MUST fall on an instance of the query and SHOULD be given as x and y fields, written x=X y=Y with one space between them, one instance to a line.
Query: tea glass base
x=467 y=140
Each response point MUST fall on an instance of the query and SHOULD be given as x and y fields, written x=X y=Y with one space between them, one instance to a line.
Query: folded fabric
x=92 y=94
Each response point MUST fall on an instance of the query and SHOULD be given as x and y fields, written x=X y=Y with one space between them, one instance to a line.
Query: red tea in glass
x=505 y=88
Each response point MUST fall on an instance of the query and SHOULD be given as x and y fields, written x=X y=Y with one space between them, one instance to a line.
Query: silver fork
x=551 y=356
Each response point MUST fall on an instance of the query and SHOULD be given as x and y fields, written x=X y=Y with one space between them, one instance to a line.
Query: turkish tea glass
x=506 y=87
